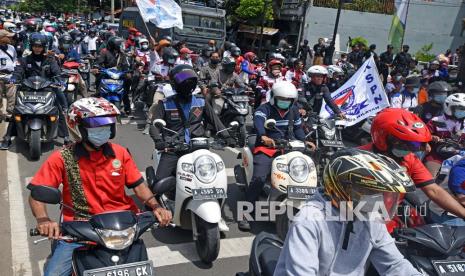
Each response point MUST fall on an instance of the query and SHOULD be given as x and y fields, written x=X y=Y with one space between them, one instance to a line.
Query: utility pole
x=265 y=6
x=302 y=23
x=112 y=11
x=329 y=60
x=405 y=26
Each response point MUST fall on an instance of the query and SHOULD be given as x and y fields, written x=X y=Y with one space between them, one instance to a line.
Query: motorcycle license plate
x=300 y=192
x=34 y=99
x=208 y=193
x=331 y=143
x=110 y=81
x=144 y=268
x=449 y=268
x=240 y=98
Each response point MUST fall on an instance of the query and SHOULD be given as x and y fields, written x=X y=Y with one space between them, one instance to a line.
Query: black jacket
x=28 y=67
x=201 y=114
x=385 y=59
x=313 y=96
x=108 y=59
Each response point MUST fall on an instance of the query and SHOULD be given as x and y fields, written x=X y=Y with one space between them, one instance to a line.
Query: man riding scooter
x=182 y=112
x=281 y=108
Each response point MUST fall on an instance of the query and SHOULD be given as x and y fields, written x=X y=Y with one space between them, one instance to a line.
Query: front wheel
x=208 y=240
x=34 y=144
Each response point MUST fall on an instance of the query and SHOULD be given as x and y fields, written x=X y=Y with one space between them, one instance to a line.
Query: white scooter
x=200 y=188
x=293 y=177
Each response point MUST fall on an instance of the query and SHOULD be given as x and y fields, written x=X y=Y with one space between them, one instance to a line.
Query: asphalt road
x=171 y=250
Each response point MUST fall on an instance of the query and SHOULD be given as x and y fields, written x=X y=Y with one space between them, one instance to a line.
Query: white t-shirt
x=8 y=61
x=91 y=43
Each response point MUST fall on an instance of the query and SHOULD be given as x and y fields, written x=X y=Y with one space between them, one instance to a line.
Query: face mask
x=275 y=72
x=145 y=47
x=400 y=152
x=281 y=104
x=99 y=135
x=214 y=61
x=420 y=154
x=439 y=98
x=459 y=114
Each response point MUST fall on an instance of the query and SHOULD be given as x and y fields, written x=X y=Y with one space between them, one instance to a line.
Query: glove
x=231 y=142
x=160 y=145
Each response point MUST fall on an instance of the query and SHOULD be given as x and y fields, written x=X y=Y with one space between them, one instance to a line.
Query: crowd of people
x=424 y=112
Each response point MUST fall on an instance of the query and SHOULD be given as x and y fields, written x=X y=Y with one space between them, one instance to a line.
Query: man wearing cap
x=184 y=57
x=8 y=59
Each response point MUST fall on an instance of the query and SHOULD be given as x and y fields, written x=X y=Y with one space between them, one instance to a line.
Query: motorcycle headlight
x=298 y=169
x=329 y=133
x=117 y=240
x=205 y=169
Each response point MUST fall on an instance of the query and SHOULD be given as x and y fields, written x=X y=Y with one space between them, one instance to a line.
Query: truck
x=201 y=23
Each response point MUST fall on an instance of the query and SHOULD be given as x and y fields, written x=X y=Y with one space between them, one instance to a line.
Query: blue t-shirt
x=457 y=178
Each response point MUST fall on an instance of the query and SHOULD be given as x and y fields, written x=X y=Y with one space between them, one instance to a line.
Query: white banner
x=361 y=96
x=164 y=14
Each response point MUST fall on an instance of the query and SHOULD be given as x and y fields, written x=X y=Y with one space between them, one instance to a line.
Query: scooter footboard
x=208 y=210
x=99 y=257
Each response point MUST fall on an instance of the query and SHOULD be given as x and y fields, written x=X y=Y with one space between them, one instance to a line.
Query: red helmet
x=274 y=62
x=400 y=124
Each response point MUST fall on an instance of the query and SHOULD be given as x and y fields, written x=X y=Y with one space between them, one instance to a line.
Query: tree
x=251 y=11
x=424 y=54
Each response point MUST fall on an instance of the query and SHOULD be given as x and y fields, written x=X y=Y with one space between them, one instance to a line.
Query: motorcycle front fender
x=35 y=123
x=208 y=210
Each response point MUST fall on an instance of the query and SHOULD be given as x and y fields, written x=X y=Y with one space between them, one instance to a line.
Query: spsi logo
x=345 y=100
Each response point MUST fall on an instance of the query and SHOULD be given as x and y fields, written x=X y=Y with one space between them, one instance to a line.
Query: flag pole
x=405 y=26
x=145 y=24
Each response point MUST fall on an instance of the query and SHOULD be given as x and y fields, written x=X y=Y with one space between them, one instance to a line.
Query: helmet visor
x=184 y=75
x=382 y=205
x=98 y=121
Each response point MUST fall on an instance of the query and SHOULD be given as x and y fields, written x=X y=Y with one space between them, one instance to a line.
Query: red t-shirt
x=415 y=168
x=104 y=176
x=420 y=176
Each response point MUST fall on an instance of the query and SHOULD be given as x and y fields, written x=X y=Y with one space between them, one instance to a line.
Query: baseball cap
x=185 y=51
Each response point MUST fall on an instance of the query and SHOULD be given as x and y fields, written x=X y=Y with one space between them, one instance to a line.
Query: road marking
x=185 y=252
x=19 y=231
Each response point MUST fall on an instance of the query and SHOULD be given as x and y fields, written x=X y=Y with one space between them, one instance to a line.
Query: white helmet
x=334 y=69
x=283 y=89
x=317 y=70
x=11 y=27
x=454 y=100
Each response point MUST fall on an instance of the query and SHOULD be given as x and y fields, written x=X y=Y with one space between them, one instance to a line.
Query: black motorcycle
x=111 y=244
x=36 y=114
x=264 y=255
x=433 y=249
x=232 y=104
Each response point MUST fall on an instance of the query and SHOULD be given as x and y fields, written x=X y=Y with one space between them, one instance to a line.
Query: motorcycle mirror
x=270 y=124
x=234 y=125
x=159 y=123
x=46 y=194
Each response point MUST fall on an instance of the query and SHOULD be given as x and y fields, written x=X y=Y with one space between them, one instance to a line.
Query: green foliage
x=358 y=40
x=60 y=6
x=374 y=6
x=424 y=53
x=251 y=10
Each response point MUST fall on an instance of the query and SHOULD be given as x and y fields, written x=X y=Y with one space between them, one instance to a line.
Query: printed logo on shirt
x=116 y=163
x=197 y=112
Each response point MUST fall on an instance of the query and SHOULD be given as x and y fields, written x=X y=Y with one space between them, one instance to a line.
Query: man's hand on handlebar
x=163 y=215
x=48 y=228
x=267 y=141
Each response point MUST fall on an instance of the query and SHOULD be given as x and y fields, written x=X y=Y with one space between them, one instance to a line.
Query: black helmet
x=183 y=80
x=38 y=39
x=228 y=64
x=65 y=41
x=115 y=43
x=290 y=62
x=169 y=38
x=412 y=81
x=439 y=87
x=92 y=31
x=207 y=50
x=170 y=55
x=235 y=51
x=228 y=45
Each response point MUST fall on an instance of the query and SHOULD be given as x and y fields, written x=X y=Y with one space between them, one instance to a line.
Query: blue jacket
x=268 y=111
x=457 y=178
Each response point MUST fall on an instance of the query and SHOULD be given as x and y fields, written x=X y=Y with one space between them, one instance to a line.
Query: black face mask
x=214 y=61
x=228 y=70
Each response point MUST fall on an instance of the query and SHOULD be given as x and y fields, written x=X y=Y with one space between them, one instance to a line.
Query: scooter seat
x=165 y=185
x=269 y=259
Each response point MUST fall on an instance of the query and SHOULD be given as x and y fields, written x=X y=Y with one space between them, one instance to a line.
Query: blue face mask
x=283 y=104
x=439 y=98
x=99 y=135
x=459 y=114
x=420 y=154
